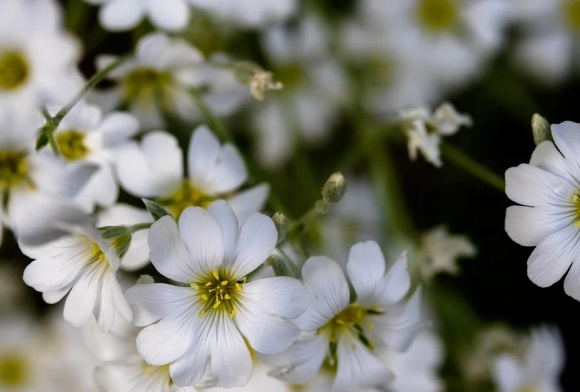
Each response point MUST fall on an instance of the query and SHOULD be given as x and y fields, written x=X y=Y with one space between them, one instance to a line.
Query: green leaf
x=156 y=211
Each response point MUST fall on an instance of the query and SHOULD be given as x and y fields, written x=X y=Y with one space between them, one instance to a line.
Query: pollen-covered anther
x=218 y=292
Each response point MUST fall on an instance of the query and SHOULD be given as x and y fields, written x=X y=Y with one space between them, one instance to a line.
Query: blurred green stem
x=211 y=119
x=471 y=166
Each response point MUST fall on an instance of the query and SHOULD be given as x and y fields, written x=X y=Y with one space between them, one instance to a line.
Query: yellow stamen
x=217 y=303
x=216 y=275
x=204 y=297
x=225 y=283
x=194 y=286
x=227 y=296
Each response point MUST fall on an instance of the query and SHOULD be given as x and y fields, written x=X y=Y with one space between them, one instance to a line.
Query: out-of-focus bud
x=334 y=188
x=281 y=223
x=541 y=129
x=282 y=264
x=156 y=211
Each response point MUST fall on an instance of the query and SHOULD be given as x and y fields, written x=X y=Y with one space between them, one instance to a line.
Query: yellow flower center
x=571 y=14
x=576 y=209
x=219 y=293
x=186 y=196
x=13 y=370
x=14 y=70
x=527 y=388
x=71 y=144
x=148 y=87
x=14 y=170
x=350 y=320
x=437 y=15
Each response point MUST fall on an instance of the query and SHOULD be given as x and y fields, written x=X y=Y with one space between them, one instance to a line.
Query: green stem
x=471 y=166
x=53 y=122
x=212 y=120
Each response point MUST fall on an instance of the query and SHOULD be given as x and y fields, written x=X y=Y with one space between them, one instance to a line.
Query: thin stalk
x=473 y=167
x=212 y=120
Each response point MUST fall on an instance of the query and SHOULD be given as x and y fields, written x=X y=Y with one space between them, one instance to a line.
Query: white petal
x=169 y=14
x=212 y=168
x=152 y=169
x=532 y=186
x=168 y=253
x=357 y=366
x=567 y=138
x=547 y=157
x=263 y=303
x=191 y=367
x=399 y=324
x=228 y=222
x=553 y=256
x=118 y=127
x=572 y=281
x=528 y=226
x=81 y=300
x=256 y=240
x=329 y=290
x=396 y=283
x=248 y=201
x=231 y=363
x=152 y=302
x=203 y=238
x=121 y=14
x=301 y=362
x=508 y=373
x=366 y=268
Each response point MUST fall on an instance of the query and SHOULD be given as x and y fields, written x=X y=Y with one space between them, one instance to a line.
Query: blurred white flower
x=350 y=337
x=547 y=40
x=119 y=15
x=156 y=81
x=306 y=109
x=249 y=13
x=51 y=358
x=439 y=252
x=537 y=369
x=83 y=265
x=425 y=129
x=155 y=169
x=549 y=218
x=207 y=323
x=85 y=135
x=34 y=186
x=37 y=59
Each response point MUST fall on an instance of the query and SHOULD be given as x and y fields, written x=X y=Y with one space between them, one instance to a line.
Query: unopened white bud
x=334 y=188
x=540 y=129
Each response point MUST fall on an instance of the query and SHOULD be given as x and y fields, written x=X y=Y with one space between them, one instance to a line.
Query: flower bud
x=540 y=129
x=281 y=223
x=334 y=188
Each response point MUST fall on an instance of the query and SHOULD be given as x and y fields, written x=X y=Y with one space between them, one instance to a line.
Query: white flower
x=314 y=89
x=157 y=79
x=249 y=13
x=440 y=250
x=35 y=186
x=83 y=265
x=425 y=129
x=549 y=218
x=349 y=336
x=37 y=59
x=155 y=169
x=547 y=37
x=537 y=370
x=454 y=38
x=119 y=15
x=207 y=323
x=85 y=135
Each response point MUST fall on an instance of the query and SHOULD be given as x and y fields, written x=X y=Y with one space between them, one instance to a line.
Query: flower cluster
x=199 y=195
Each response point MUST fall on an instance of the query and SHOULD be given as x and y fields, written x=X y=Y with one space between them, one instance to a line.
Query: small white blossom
x=351 y=336
x=155 y=169
x=249 y=13
x=30 y=74
x=425 y=129
x=537 y=369
x=206 y=324
x=439 y=252
x=83 y=265
x=549 y=217
x=119 y=15
x=157 y=79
